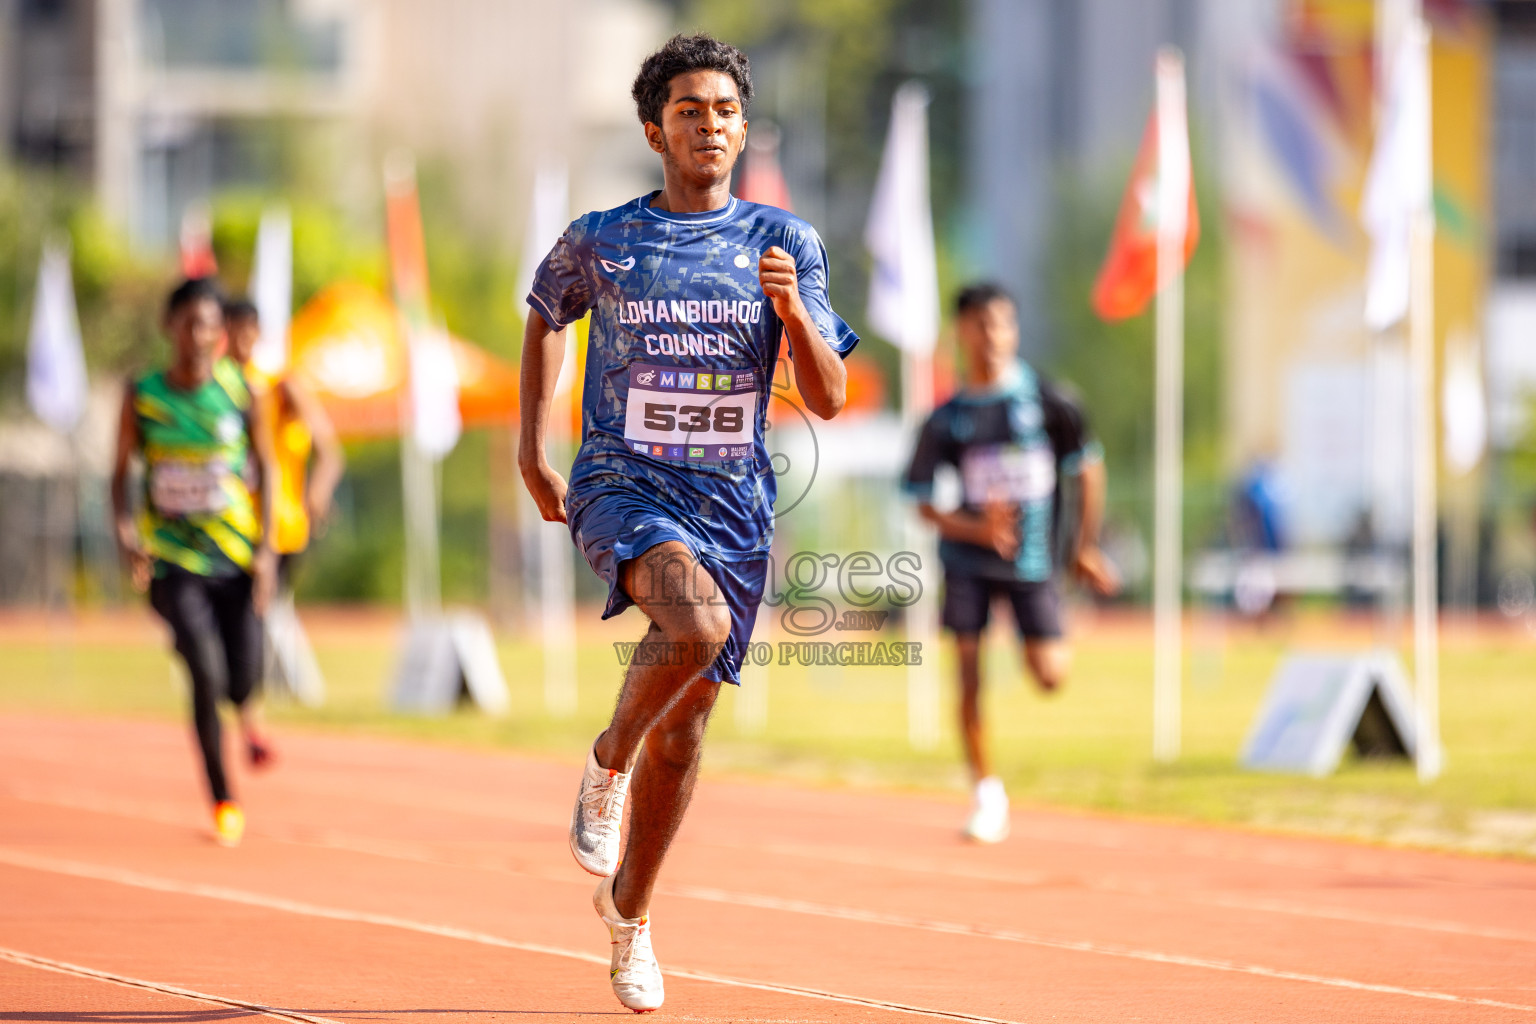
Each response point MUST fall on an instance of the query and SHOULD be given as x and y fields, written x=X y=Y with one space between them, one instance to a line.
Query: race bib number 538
x=695 y=413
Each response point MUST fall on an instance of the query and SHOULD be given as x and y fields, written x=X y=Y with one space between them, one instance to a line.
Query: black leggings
x=219 y=637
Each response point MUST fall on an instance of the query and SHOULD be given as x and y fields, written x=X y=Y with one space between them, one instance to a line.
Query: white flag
x=56 y=384
x=434 y=394
x=272 y=289
x=1400 y=183
x=904 y=282
x=1173 y=163
x=548 y=216
x=1463 y=406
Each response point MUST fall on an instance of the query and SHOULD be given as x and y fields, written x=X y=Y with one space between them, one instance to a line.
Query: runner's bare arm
x=128 y=542
x=330 y=460
x=996 y=528
x=543 y=350
x=1092 y=567
x=264 y=560
x=819 y=371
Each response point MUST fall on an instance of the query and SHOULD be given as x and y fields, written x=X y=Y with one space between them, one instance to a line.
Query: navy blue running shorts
x=611 y=529
x=968 y=603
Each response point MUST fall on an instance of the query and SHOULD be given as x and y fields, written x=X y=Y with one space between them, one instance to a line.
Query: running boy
x=199 y=545
x=1010 y=435
x=671 y=494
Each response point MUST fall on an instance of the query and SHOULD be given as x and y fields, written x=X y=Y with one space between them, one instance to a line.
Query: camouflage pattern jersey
x=198 y=510
x=681 y=357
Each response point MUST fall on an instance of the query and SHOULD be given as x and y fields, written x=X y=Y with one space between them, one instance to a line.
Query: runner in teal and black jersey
x=1011 y=436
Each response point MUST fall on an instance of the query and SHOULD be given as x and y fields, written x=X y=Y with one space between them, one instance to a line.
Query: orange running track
x=384 y=881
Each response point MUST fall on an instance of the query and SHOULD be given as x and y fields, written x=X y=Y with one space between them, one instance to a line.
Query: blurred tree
x=118 y=295
x=471 y=283
x=862 y=50
x=327 y=245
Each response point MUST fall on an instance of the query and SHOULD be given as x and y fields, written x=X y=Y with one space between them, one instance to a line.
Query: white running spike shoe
x=989 y=814
x=599 y=813
x=635 y=974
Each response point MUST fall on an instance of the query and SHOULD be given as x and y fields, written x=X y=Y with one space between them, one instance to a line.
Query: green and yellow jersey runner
x=199 y=512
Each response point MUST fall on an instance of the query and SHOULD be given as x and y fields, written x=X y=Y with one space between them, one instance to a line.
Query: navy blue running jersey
x=1009 y=444
x=681 y=355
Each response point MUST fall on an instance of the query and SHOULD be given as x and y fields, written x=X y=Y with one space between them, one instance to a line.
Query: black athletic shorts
x=968 y=602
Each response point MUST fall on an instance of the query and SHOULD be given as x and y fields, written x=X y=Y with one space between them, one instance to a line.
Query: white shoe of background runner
x=597 y=817
x=989 y=814
x=635 y=974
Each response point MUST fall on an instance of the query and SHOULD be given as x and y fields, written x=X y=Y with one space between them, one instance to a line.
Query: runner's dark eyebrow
x=699 y=99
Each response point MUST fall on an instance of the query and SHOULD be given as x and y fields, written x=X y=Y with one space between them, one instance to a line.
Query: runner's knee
x=714 y=623
x=1049 y=663
x=707 y=623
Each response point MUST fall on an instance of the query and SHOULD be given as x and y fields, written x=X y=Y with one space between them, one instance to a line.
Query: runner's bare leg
x=663 y=708
x=968 y=648
x=659 y=797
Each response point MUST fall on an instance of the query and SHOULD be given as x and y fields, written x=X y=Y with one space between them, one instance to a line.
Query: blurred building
x=1308 y=384
x=1511 y=366
x=1283 y=106
x=163 y=103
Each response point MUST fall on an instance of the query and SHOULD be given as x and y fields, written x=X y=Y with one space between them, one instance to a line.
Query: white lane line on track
x=1102 y=949
x=121 y=876
x=426 y=854
x=1176 y=841
x=1363 y=917
x=103 y=873
x=1037 y=880
x=43 y=963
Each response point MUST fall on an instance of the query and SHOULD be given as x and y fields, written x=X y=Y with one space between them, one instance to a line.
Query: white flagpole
x=1398 y=211
x=924 y=692
x=1426 y=639
x=57 y=392
x=1421 y=342
x=556 y=581
x=1168 y=470
x=556 y=585
x=904 y=309
x=752 y=694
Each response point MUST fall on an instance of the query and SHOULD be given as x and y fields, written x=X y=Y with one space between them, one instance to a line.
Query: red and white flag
x=1128 y=279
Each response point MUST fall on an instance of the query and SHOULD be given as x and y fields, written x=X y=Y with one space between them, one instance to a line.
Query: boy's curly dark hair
x=680 y=55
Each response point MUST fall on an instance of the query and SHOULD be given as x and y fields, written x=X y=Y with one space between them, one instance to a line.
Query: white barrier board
x=1320 y=703
x=446 y=659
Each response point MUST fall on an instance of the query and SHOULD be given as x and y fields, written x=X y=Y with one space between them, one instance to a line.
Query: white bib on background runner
x=1008 y=473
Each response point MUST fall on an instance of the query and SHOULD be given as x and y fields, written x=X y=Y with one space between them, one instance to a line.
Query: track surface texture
x=384 y=881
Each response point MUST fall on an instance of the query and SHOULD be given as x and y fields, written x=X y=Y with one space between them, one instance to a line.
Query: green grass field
x=1087 y=747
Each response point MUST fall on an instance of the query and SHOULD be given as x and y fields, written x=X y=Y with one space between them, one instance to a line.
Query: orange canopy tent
x=865 y=394
x=347 y=347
